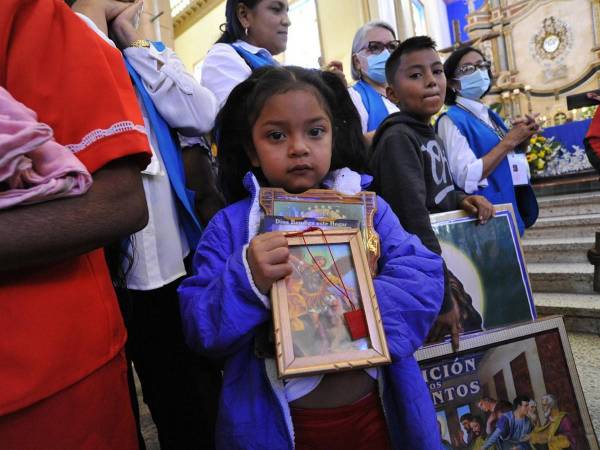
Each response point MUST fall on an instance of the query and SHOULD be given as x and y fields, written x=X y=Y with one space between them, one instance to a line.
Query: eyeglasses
x=376 y=47
x=468 y=69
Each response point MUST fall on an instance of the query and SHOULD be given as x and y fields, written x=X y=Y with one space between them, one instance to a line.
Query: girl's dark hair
x=245 y=103
x=450 y=67
x=232 y=29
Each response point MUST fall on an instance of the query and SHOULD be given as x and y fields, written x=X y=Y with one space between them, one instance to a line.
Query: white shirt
x=362 y=111
x=223 y=69
x=465 y=167
x=159 y=249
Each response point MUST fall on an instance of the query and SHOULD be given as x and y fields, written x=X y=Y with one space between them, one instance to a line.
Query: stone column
x=595 y=5
x=157 y=23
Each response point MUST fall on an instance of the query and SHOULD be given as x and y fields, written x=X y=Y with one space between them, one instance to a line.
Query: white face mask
x=474 y=85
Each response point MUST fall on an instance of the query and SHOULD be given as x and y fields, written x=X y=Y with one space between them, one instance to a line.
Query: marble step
x=583 y=225
x=574 y=278
x=581 y=311
x=557 y=250
x=569 y=205
x=586 y=352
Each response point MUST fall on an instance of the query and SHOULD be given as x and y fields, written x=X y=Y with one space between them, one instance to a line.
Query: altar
x=541 y=52
x=570 y=158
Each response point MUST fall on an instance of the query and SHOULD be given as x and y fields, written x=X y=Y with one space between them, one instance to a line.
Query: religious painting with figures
x=487 y=272
x=514 y=388
x=325 y=313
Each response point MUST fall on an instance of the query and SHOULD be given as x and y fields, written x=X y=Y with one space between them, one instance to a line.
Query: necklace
x=494 y=128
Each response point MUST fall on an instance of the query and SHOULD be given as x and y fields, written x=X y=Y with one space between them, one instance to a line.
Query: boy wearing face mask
x=371 y=48
x=409 y=163
x=483 y=155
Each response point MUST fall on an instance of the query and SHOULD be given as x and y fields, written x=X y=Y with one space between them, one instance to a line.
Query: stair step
x=571 y=204
x=581 y=311
x=556 y=250
x=583 y=225
x=577 y=278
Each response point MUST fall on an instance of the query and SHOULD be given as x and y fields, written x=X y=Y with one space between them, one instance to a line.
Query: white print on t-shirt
x=439 y=169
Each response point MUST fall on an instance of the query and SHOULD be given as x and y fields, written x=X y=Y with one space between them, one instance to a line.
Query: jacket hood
x=344 y=180
x=419 y=127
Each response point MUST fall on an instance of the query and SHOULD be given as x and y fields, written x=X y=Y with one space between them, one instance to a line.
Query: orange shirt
x=60 y=323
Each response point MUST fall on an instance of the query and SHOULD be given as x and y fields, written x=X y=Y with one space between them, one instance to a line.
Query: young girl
x=281 y=128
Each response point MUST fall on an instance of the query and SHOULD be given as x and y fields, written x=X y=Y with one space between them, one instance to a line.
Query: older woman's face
x=267 y=25
x=377 y=34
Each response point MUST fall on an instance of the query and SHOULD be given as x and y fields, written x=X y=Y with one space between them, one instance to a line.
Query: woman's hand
x=337 y=68
x=479 y=206
x=521 y=131
x=268 y=258
x=124 y=25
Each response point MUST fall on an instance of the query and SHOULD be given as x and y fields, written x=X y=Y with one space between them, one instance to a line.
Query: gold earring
x=246 y=31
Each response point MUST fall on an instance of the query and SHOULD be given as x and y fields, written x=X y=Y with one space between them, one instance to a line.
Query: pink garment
x=33 y=166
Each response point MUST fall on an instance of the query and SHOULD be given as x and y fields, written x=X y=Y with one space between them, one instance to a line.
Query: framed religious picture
x=328 y=204
x=487 y=272
x=325 y=314
x=510 y=388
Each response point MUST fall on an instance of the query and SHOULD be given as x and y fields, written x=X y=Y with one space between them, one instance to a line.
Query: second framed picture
x=325 y=314
x=487 y=271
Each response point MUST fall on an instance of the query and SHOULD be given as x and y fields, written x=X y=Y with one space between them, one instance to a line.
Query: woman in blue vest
x=483 y=154
x=372 y=45
x=254 y=32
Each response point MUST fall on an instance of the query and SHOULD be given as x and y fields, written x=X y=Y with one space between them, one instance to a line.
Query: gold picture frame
x=328 y=204
x=311 y=332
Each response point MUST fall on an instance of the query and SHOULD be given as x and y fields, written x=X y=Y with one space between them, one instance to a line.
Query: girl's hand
x=479 y=206
x=123 y=26
x=268 y=258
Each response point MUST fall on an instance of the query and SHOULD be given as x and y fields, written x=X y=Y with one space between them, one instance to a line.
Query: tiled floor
x=586 y=350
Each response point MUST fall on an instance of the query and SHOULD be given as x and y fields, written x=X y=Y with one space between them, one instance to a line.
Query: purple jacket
x=222 y=309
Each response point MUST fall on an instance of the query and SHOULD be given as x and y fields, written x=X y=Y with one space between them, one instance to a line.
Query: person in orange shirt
x=62 y=367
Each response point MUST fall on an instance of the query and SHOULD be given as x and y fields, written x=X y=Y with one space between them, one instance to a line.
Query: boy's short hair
x=410 y=45
x=519 y=399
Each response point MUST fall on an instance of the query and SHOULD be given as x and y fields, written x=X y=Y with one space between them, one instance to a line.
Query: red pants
x=359 y=426
x=93 y=414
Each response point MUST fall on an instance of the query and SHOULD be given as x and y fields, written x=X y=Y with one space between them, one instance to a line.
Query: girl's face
x=267 y=24
x=292 y=141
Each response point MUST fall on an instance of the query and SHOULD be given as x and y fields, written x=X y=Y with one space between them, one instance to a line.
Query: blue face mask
x=474 y=85
x=376 y=66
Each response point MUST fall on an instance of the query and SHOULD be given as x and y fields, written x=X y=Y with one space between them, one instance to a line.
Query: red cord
x=345 y=291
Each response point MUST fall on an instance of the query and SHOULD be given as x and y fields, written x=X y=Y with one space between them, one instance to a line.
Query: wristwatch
x=145 y=43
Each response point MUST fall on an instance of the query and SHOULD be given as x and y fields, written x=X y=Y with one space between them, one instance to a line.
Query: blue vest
x=500 y=189
x=373 y=104
x=168 y=145
x=254 y=61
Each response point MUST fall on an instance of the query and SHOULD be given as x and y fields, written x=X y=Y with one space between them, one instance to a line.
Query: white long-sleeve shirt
x=159 y=248
x=466 y=168
x=362 y=111
x=223 y=69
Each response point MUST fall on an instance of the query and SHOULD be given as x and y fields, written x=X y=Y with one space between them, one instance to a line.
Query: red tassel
x=357 y=323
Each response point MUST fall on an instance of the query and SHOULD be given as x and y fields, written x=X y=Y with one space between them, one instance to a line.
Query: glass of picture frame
x=312 y=335
x=487 y=272
x=479 y=384
x=328 y=204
